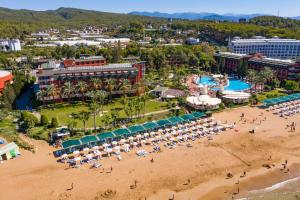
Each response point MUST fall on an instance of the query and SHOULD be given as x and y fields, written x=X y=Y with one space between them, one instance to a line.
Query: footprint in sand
x=64 y=196
x=108 y=194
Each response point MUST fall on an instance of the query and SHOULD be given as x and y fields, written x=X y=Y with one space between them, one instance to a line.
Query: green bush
x=44 y=120
x=29 y=120
x=54 y=122
x=291 y=85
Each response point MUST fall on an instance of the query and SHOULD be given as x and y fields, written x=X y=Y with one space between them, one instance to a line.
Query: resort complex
x=273 y=48
x=113 y=106
x=282 y=69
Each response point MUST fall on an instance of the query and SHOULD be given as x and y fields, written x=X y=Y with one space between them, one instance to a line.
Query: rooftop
x=88 y=69
x=4 y=73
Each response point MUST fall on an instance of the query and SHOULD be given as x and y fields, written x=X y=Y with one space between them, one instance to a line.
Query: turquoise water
x=234 y=84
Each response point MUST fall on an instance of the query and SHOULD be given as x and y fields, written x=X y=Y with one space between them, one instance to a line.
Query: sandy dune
x=39 y=176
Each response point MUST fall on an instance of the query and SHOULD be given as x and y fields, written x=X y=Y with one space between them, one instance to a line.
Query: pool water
x=234 y=84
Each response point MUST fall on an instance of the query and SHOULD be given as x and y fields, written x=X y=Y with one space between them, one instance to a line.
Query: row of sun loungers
x=286 y=109
x=170 y=138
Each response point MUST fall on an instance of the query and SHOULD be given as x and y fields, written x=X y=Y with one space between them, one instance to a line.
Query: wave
x=277 y=185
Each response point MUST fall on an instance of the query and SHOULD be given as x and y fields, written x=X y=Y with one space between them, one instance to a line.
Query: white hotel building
x=272 y=48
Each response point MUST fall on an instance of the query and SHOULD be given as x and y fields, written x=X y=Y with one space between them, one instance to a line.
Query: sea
x=285 y=190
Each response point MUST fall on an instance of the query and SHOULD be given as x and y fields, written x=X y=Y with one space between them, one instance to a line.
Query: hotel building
x=283 y=69
x=272 y=48
x=86 y=69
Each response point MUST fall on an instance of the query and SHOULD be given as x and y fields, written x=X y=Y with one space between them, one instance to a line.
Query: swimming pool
x=234 y=84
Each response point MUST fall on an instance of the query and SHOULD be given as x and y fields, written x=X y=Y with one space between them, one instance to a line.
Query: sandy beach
x=184 y=173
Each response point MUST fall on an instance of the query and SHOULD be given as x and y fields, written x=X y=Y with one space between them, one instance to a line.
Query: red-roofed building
x=5 y=79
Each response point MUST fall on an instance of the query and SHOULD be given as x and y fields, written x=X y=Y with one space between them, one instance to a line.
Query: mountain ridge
x=202 y=15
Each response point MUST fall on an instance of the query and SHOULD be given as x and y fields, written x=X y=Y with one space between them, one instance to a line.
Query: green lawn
x=270 y=94
x=9 y=133
x=63 y=111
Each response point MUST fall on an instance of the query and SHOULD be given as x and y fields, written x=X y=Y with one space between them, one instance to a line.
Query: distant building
x=5 y=79
x=242 y=20
x=272 y=48
x=85 y=61
x=283 y=69
x=8 y=45
x=192 y=41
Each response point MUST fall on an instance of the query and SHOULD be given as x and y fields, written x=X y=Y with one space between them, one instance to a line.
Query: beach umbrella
x=105 y=145
x=86 y=149
x=77 y=158
x=172 y=139
x=89 y=156
x=159 y=130
x=95 y=147
x=179 y=137
x=146 y=134
x=76 y=152
x=167 y=129
x=97 y=153
x=117 y=148
x=130 y=138
x=138 y=136
x=114 y=143
x=122 y=141
x=158 y=137
x=108 y=150
x=152 y=133
x=64 y=156
x=143 y=141
x=126 y=145
x=135 y=144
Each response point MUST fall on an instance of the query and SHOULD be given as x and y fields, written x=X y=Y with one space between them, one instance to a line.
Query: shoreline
x=205 y=164
x=257 y=182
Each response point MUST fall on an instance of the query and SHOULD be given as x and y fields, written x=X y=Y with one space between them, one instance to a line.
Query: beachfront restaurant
x=9 y=151
x=90 y=141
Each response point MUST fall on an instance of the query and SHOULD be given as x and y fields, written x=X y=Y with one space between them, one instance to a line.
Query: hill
x=69 y=16
x=276 y=22
x=197 y=16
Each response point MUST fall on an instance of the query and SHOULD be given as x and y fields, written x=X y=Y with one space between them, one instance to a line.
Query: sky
x=284 y=7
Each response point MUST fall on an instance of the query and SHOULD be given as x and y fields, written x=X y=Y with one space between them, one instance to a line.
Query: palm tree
x=41 y=94
x=96 y=83
x=101 y=96
x=251 y=76
x=51 y=91
x=68 y=90
x=95 y=109
x=179 y=73
x=125 y=86
x=110 y=86
x=265 y=75
x=82 y=116
x=106 y=120
x=140 y=88
x=81 y=86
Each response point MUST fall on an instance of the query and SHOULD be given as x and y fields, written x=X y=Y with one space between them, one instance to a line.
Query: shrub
x=54 y=122
x=291 y=85
x=44 y=120
x=29 y=120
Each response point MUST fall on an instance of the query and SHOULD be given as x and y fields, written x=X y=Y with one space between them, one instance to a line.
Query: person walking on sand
x=135 y=183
